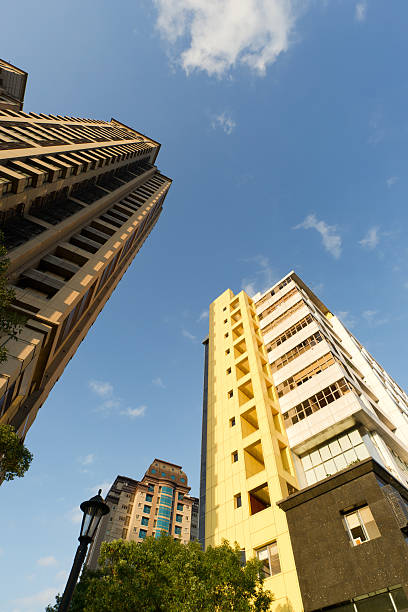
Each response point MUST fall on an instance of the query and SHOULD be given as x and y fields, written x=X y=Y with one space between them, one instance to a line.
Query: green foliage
x=163 y=575
x=15 y=458
x=10 y=321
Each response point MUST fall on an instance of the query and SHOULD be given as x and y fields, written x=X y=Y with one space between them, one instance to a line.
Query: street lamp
x=94 y=509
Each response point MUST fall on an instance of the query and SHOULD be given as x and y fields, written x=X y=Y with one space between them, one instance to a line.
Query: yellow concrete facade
x=248 y=465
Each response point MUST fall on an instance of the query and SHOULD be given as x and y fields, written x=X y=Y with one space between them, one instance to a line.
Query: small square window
x=269 y=555
x=225 y=321
x=180 y=507
x=145 y=521
x=150 y=488
x=179 y=518
x=224 y=309
x=232 y=422
x=180 y=495
x=237 y=500
x=230 y=394
x=229 y=371
x=227 y=352
x=149 y=497
x=234 y=456
x=142 y=533
x=361 y=526
x=226 y=335
x=177 y=530
x=146 y=509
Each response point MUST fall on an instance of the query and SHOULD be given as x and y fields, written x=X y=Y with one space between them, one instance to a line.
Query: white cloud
x=360 y=11
x=371 y=239
x=158 y=382
x=105 y=486
x=346 y=318
x=261 y=279
x=331 y=240
x=101 y=388
x=373 y=319
x=134 y=412
x=224 y=122
x=187 y=334
x=87 y=460
x=47 y=561
x=391 y=181
x=75 y=515
x=37 y=601
x=203 y=315
x=218 y=35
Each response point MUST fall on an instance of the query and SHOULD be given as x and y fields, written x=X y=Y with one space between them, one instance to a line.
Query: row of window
x=285 y=315
x=299 y=349
x=290 y=332
x=306 y=374
x=273 y=292
x=276 y=305
x=317 y=401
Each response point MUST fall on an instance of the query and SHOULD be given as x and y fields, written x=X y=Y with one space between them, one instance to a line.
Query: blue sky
x=285 y=129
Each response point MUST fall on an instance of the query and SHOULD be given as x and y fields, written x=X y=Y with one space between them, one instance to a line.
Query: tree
x=163 y=575
x=15 y=458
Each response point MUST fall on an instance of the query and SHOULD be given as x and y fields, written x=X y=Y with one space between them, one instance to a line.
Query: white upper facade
x=339 y=405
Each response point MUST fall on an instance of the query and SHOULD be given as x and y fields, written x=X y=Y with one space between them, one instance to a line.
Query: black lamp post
x=94 y=509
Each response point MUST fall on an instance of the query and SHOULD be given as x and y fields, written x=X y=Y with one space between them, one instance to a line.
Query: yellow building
x=246 y=461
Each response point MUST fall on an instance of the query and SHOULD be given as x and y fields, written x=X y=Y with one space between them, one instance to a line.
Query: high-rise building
x=291 y=398
x=78 y=198
x=158 y=503
x=12 y=86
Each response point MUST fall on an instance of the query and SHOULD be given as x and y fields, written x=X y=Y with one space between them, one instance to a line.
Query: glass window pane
x=352 y=520
x=400 y=600
x=378 y=603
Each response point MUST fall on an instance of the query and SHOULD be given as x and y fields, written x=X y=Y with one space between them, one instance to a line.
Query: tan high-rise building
x=13 y=82
x=78 y=197
x=159 y=503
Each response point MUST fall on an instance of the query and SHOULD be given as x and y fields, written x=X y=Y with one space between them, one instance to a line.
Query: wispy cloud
x=203 y=316
x=391 y=181
x=158 y=382
x=75 y=515
x=111 y=402
x=47 y=561
x=262 y=277
x=216 y=37
x=105 y=486
x=133 y=413
x=371 y=239
x=188 y=335
x=377 y=131
x=87 y=460
x=330 y=239
x=360 y=13
x=224 y=122
x=101 y=387
x=373 y=318
x=346 y=318
x=37 y=601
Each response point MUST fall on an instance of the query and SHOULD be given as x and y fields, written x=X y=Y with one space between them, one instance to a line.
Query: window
x=179 y=518
x=225 y=321
x=150 y=488
x=318 y=401
x=149 y=497
x=234 y=456
x=182 y=480
x=145 y=520
x=230 y=394
x=142 y=533
x=290 y=332
x=232 y=422
x=237 y=500
x=227 y=352
x=226 y=335
x=180 y=495
x=164 y=474
x=242 y=558
x=269 y=556
x=361 y=526
x=303 y=346
x=306 y=374
x=153 y=471
x=177 y=530
x=229 y=371
x=180 y=507
x=146 y=509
